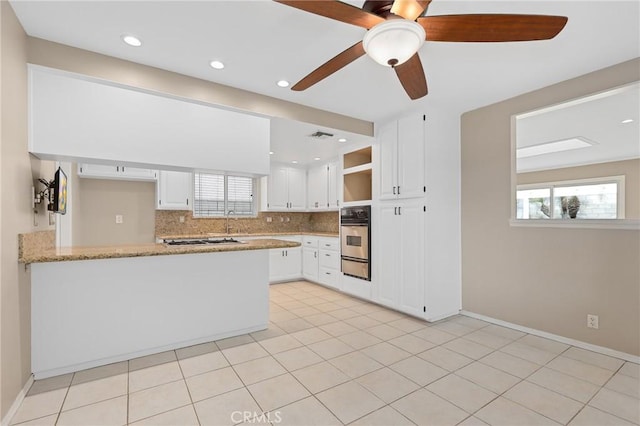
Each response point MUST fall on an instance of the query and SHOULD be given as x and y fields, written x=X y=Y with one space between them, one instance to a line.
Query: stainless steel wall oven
x=355 y=235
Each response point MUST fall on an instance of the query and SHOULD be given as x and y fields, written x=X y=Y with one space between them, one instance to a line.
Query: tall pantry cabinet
x=399 y=234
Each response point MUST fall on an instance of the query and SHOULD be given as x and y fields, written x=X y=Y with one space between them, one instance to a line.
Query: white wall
x=75 y=117
x=443 y=240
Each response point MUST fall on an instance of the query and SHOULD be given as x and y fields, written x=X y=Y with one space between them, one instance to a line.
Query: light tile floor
x=330 y=359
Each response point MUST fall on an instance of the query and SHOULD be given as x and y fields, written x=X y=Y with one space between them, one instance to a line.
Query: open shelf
x=357 y=158
x=357 y=169
x=357 y=186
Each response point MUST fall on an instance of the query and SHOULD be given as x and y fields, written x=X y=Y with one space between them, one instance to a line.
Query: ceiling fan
x=397 y=29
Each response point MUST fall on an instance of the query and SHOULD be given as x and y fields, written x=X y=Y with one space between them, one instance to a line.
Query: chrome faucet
x=227 y=227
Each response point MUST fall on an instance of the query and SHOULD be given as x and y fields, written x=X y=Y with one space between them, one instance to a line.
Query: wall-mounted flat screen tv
x=58 y=193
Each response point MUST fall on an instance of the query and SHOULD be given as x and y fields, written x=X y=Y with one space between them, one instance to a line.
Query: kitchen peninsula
x=93 y=306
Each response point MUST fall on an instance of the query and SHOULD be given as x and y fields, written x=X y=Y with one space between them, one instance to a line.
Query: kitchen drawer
x=329 y=244
x=308 y=241
x=330 y=277
x=329 y=259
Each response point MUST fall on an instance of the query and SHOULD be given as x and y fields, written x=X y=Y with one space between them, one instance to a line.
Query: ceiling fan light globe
x=394 y=42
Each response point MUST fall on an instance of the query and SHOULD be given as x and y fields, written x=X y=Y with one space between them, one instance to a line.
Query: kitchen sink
x=201 y=241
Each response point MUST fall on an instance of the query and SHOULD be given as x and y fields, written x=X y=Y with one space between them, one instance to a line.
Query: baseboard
x=577 y=343
x=18 y=401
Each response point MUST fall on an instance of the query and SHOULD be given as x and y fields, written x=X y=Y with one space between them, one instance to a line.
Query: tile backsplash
x=168 y=223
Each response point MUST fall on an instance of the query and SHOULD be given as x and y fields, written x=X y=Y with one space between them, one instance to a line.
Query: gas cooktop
x=205 y=241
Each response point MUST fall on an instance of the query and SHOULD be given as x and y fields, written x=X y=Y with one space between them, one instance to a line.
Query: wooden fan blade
x=337 y=10
x=409 y=9
x=331 y=66
x=411 y=76
x=491 y=27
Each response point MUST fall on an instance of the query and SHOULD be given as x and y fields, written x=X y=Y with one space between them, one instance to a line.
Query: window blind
x=216 y=195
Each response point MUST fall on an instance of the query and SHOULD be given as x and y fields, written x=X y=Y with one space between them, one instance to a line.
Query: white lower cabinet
x=284 y=264
x=401 y=256
x=321 y=260
x=310 y=263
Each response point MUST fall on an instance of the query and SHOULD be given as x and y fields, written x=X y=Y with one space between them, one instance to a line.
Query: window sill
x=629 y=224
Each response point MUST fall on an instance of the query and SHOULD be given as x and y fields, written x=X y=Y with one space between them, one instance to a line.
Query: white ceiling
x=597 y=117
x=262 y=42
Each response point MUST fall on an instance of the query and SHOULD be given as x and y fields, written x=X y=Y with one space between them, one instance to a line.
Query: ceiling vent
x=321 y=135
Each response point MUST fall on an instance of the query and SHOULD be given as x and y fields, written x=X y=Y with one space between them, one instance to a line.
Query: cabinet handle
x=187 y=201
x=398 y=189
x=394 y=190
x=328 y=273
x=122 y=169
x=399 y=211
x=315 y=254
x=328 y=255
x=395 y=210
x=117 y=168
x=327 y=245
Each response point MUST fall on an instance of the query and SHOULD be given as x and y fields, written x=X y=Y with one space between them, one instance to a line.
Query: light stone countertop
x=241 y=235
x=110 y=252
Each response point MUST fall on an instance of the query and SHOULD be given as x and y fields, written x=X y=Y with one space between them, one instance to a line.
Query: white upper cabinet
x=322 y=187
x=333 y=199
x=402 y=158
x=286 y=189
x=118 y=172
x=317 y=188
x=174 y=190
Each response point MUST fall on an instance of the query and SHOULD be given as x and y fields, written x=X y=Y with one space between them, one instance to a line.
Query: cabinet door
x=278 y=189
x=297 y=189
x=174 y=190
x=411 y=159
x=310 y=263
x=317 y=188
x=135 y=173
x=293 y=261
x=411 y=257
x=388 y=140
x=332 y=186
x=387 y=260
x=277 y=265
x=98 y=171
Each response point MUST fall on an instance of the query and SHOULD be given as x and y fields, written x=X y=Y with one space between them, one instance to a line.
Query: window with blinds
x=216 y=195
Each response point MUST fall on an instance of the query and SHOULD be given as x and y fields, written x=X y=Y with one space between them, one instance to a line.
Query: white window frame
x=226 y=212
x=619 y=180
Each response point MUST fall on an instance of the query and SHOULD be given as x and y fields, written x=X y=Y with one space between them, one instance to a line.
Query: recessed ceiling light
x=294 y=162
x=271 y=152
x=283 y=83
x=342 y=140
x=627 y=121
x=550 y=147
x=216 y=65
x=317 y=158
x=131 y=40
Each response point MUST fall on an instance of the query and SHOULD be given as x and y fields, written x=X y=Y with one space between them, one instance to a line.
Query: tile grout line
x=184 y=379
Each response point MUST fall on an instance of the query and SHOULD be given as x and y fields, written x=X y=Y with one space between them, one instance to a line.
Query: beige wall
x=630 y=169
x=17 y=171
x=96 y=202
x=544 y=278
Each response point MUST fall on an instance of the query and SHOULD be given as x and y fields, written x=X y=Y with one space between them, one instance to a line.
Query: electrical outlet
x=592 y=321
x=181 y=219
x=119 y=218
x=269 y=219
